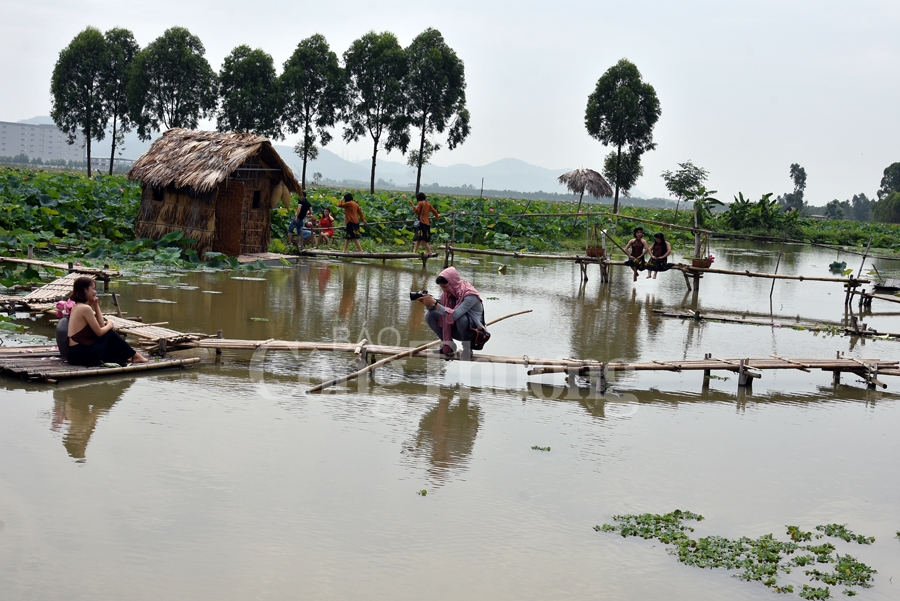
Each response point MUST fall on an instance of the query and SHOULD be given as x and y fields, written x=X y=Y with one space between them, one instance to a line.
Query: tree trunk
x=677 y=204
x=618 y=167
x=421 y=150
x=374 y=155
x=303 y=177
x=574 y=221
x=87 y=142
x=112 y=153
x=696 y=233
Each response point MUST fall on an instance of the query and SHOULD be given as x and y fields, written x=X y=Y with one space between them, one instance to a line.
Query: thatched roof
x=201 y=160
x=580 y=181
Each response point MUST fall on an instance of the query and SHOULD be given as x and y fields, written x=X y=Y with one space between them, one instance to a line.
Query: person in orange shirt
x=352 y=217
x=423 y=227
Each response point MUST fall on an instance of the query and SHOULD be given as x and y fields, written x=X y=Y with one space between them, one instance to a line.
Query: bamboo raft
x=43 y=364
x=103 y=274
x=152 y=336
x=314 y=252
x=44 y=297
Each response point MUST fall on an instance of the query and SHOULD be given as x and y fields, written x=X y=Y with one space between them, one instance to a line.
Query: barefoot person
x=296 y=225
x=352 y=217
x=458 y=316
x=326 y=227
x=636 y=249
x=659 y=255
x=91 y=343
x=423 y=227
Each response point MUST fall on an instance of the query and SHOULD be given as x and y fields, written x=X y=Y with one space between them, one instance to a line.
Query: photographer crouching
x=459 y=315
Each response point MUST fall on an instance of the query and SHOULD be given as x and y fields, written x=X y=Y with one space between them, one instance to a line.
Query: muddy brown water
x=227 y=482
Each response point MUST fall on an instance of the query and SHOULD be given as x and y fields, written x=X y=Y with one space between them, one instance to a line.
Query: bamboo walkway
x=314 y=252
x=271 y=259
x=746 y=368
x=43 y=364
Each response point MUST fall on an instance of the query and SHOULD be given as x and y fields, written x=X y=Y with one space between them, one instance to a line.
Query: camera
x=413 y=296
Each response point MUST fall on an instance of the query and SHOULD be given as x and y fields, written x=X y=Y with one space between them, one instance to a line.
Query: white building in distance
x=43 y=142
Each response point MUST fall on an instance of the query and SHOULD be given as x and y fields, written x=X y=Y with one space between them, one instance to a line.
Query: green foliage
x=891 y=180
x=687 y=179
x=622 y=169
x=794 y=200
x=703 y=203
x=7 y=325
x=77 y=88
x=435 y=94
x=764 y=216
x=171 y=83
x=621 y=113
x=758 y=560
x=314 y=93
x=122 y=49
x=887 y=210
x=840 y=531
x=540 y=448
x=375 y=66
x=248 y=88
x=47 y=209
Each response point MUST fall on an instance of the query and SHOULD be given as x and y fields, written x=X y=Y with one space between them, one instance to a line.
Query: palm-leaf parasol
x=580 y=181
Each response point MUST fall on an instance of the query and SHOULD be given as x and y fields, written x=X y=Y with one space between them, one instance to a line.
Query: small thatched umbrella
x=580 y=181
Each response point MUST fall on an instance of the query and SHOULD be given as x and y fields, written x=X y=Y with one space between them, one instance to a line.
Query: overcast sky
x=746 y=88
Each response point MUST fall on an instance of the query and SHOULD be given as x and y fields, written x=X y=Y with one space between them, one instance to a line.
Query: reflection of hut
x=217 y=188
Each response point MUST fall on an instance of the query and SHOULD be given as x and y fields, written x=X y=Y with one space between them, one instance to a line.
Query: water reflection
x=78 y=409
x=446 y=435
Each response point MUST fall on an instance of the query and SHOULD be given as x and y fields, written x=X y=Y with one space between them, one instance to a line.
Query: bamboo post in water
x=412 y=351
x=116 y=303
x=865 y=254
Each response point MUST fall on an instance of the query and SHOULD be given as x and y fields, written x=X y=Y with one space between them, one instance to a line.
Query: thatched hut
x=217 y=188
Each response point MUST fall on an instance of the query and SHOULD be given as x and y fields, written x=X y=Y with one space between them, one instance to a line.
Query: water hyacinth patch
x=763 y=559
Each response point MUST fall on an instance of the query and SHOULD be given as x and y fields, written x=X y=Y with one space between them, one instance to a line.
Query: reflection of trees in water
x=81 y=407
x=446 y=436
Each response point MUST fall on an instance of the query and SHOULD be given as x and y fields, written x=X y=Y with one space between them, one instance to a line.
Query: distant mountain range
x=506 y=174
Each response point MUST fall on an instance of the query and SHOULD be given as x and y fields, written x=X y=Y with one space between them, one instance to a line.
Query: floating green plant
x=537 y=448
x=422 y=492
x=259 y=319
x=841 y=531
x=762 y=559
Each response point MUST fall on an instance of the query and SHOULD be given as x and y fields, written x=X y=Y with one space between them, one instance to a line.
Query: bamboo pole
x=753 y=274
x=84 y=373
x=364 y=255
x=865 y=254
x=369 y=368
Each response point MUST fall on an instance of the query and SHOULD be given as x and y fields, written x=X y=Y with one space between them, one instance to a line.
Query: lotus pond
x=437 y=480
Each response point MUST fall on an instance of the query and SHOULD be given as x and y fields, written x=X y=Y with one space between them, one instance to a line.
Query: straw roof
x=201 y=160
x=580 y=181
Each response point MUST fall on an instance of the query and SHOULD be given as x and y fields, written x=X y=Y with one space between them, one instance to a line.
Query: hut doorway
x=229 y=213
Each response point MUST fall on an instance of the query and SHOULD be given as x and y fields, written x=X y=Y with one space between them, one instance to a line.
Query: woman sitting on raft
x=458 y=315
x=90 y=343
x=636 y=249
x=659 y=255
